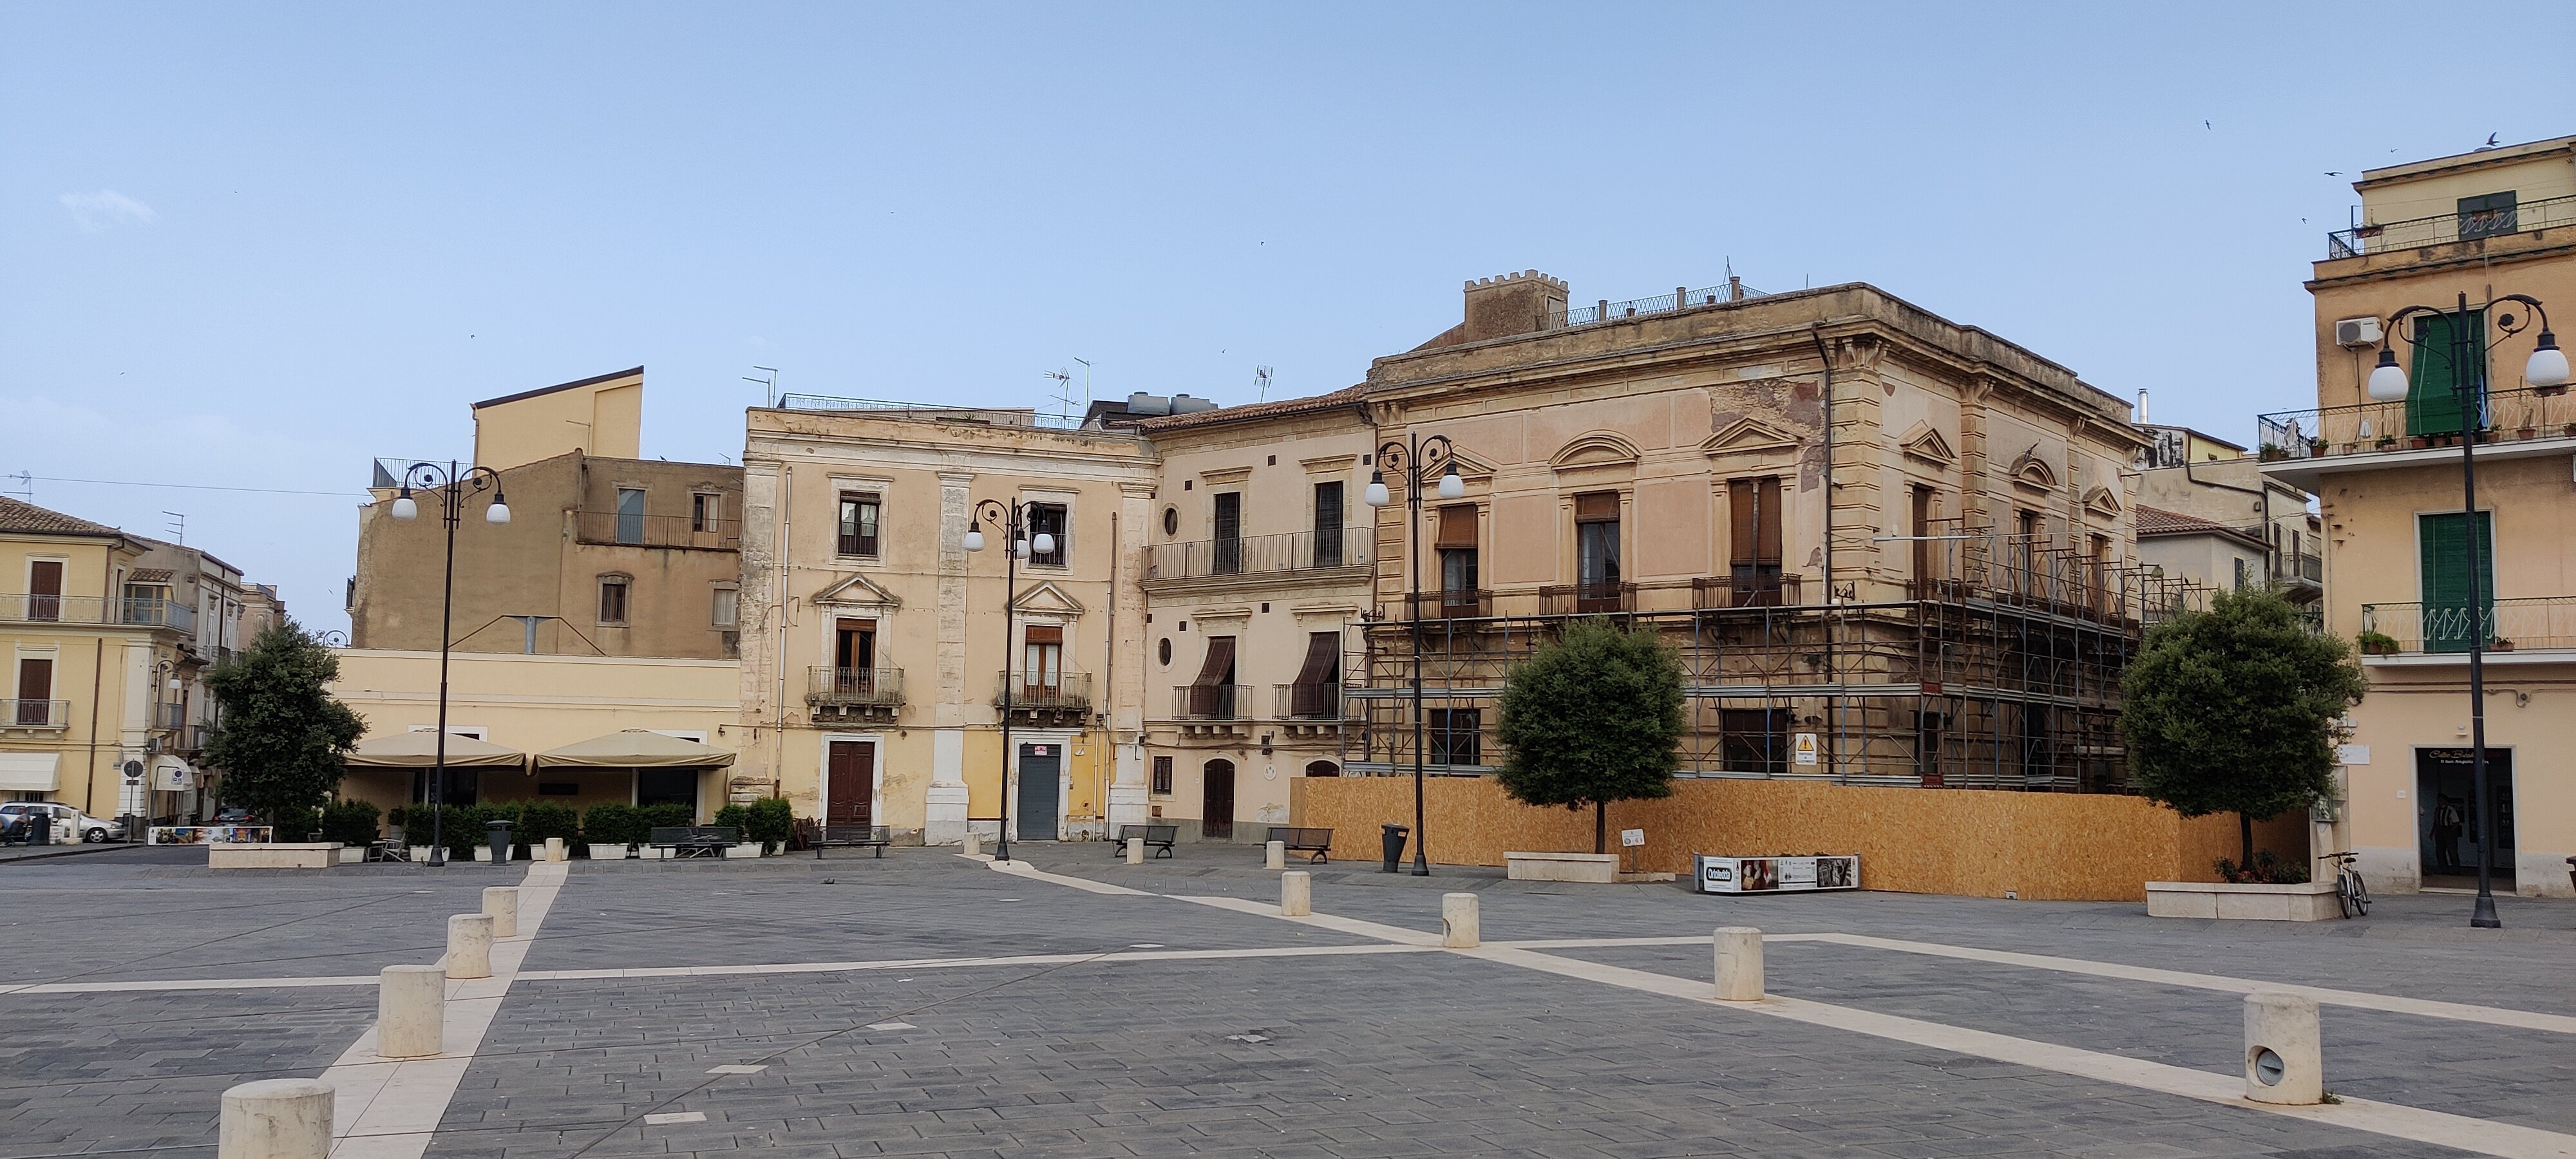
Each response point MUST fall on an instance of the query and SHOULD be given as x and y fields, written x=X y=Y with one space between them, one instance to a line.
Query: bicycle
x=2351 y=894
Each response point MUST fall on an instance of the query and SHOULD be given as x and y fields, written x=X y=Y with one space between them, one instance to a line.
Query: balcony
x=172 y=714
x=1064 y=700
x=1267 y=556
x=1587 y=599
x=1215 y=702
x=50 y=714
x=628 y=530
x=147 y=613
x=1711 y=593
x=2450 y=228
x=2298 y=445
x=854 y=694
x=1316 y=702
x=2511 y=625
x=1452 y=604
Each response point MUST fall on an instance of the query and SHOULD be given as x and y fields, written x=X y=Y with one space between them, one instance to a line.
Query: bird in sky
x=2491 y=140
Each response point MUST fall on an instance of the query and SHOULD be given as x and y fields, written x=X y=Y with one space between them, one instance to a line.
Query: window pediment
x=1747 y=436
x=2032 y=472
x=1595 y=449
x=855 y=591
x=1046 y=598
x=1923 y=441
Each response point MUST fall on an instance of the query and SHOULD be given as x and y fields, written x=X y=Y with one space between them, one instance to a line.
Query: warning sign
x=1804 y=747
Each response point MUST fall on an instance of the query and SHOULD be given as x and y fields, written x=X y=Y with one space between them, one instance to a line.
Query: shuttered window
x=2444 y=541
x=1753 y=541
x=2431 y=406
x=1212 y=693
x=1318 y=690
x=1596 y=546
x=1457 y=526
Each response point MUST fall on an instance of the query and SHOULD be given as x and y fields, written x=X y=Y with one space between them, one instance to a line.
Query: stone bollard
x=502 y=903
x=1135 y=851
x=555 y=849
x=1275 y=855
x=1739 y=964
x=2281 y=1055
x=971 y=846
x=411 y=1011
x=1296 y=894
x=1459 y=927
x=275 y=1119
x=469 y=946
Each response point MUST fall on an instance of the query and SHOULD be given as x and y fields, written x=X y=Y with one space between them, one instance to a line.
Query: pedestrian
x=2448 y=819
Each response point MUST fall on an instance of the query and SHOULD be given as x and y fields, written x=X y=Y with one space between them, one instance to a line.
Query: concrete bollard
x=1739 y=964
x=555 y=849
x=971 y=847
x=2282 y=1064
x=275 y=1119
x=469 y=946
x=1296 y=893
x=1135 y=851
x=502 y=903
x=1460 y=928
x=1275 y=855
x=411 y=1011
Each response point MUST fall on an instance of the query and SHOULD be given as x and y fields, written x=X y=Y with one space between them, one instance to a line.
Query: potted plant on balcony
x=2378 y=644
x=2385 y=442
x=2499 y=644
x=2569 y=430
x=2417 y=442
x=2317 y=448
x=2526 y=431
x=2273 y=453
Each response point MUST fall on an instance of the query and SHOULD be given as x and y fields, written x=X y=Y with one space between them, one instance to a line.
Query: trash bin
x=1394 y=837
x=500 y=832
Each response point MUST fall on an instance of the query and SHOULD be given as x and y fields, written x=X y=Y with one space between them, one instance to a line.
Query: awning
x=28 y=772
x=634 y=748
x=419 y=750
x=172 y=774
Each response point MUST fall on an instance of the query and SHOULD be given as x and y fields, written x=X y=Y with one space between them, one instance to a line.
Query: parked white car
x=69 y=823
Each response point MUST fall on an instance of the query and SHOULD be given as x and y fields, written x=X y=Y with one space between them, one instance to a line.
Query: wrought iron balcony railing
x=150 y=613
x=1212 y=702
x=1452 y=604
x=1586 y=599
x=2537 y=622
x=1757 y=591
x=861 y=687
x=631 y=530
x=2510 y=416
x=36 y=713
x=2416 y=233
x=1318 y=702
x=1293 y=551
x=1067 y=692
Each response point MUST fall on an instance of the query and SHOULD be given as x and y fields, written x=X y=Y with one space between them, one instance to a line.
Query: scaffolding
x=1997 y=667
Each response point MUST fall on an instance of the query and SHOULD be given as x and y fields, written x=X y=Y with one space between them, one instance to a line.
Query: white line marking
x=1118 y=957
x=1033 y=873
x=191 y=984
x=738 y=1068
x=676 y=1117
x=892 y=1026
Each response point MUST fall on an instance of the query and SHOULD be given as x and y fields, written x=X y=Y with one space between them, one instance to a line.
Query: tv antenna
x=176 y=527
x=26 y=485
x=1261 y=383
x=769 y=398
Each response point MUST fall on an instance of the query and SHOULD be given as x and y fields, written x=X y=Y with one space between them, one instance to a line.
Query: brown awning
x=419 y=750
x=634 y=748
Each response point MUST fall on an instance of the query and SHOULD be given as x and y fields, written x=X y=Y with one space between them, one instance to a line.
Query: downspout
x=1367 y=665
x=97 y=685
x=1102 y=771
x=2271 y=553
x=1833 y=670
x=786 y=537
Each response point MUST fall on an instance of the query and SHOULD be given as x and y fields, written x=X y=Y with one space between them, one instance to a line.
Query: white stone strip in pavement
x=959 y=963
x=387 y=1110
x=1024 y=869
x=190 y=984
x=1397 y=934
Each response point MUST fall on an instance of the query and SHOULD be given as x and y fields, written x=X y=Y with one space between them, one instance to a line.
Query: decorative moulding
x=1923 y=441
x=856 y=591
x=1238 y=612
x=1595 y=449
x=1746 y=436
x=2101 y=503
x=1329 y=464
x=2032 y=472
x=1226 y=475
x=1325 y=611
x=1045 y=596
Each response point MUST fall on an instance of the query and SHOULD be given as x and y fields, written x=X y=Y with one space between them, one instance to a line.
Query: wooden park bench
x=695 y=840
x=1318 y=842
x=850 y=837
x=1156 y=837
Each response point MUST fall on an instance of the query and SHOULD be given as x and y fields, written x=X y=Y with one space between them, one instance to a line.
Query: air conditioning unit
x=2357 y=332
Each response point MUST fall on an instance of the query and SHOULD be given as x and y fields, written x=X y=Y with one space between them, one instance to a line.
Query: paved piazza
x=932 y=1004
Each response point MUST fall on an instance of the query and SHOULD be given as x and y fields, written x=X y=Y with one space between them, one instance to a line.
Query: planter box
x=279 y=855
x=600 y=852
x=484 y=853
x=419 y=854
x=2312 y=902
x=747 y=849
x=1602 y=868
x=353 y=854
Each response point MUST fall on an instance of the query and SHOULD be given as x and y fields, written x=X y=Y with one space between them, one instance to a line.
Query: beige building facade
x=2195 y=479
x=2399 y=540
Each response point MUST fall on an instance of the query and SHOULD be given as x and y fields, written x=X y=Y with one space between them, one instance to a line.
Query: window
x=1163 y=651
x=45 y=589
x=1920 y=527
x=35 y=706
x=2443 y=542
x=1171 y=521
x=2241 y=569
x=728 y=608
x=704 y=511
x=1323 y=769
x=145 y=604
x=1318 y=690
x=1328 y=524
x=854 y=653
x=2098 y=564
x=2026 y=547
x=1456 y=542
x=1753 y=541
x=1754 y=740
x=858 y=523
x=612 y=599
x=1162 y=776
x=1042 y=661
x=1927 y=745
x=2431 y=406
x=1050 y=519
x=1212 y=693
x=1452 y=735
x=1228 y=548
x=2487 y=215
x=630 y=515
x=1596 y=552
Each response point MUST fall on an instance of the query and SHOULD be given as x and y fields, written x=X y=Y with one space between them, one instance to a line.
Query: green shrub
x=397 y=815
x=544 y=819
x=738 y=817
x=667 y=815
x=349 y=822
x=770 y=822
x=612 y=823
x=295 y=823
x=456 y=826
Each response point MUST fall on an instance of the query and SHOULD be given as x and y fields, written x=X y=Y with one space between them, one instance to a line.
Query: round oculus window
x=1171 y=521
x=1164 y=651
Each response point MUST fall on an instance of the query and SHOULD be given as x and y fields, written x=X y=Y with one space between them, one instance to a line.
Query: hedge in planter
x=771 y=822
x=612 y=823
x=665 y=816
x=349 y=823
x=544 y=819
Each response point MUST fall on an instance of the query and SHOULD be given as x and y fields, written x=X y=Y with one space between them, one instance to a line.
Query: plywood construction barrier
x=1974 y=842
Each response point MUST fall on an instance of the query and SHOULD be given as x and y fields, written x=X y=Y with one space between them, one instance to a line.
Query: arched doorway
x=1323 y=769
x=1216 y=801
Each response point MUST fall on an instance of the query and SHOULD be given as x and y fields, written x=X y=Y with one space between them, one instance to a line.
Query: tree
x=1592 y=718
x=280 y=738
x=2233 y=710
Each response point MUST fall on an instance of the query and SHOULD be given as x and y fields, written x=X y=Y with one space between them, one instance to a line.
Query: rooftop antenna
x=1063 y=395
x=769 y=398
x=177 y=527
x=1261 y=383
x=1086 y=382
x=26 y=487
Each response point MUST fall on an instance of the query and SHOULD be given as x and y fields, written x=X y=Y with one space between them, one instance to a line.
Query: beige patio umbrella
x=419 y=750
x=634 y=748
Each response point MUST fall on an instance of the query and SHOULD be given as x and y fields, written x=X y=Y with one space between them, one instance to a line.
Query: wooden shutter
x=35 y=678
x=1044 y=633
x=1741 y=507
x=45 y=577
x=2444 y=542
x=1457 y=526
x=1209 y=693
x=1596 y=507
x=2431 y=408
x=1766 y=541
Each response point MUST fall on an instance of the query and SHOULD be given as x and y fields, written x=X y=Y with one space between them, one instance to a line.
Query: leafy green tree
x=280 y=738
x=2233 y=710
x=1594 y=717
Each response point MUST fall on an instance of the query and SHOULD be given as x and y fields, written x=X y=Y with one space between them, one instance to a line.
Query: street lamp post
x=1013 y=521
x=2466 y=356
x=452 y=484
x=1414 y=458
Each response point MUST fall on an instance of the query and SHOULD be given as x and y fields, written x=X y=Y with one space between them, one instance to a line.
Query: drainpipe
x=786 y=536
x=1104 y=773
x=1833 y=670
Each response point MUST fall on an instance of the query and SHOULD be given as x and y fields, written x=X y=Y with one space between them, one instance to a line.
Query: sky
x=255 y=247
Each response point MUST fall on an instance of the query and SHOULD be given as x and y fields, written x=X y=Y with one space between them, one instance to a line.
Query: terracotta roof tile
x=1256 y=410
x=19 y=516
x=2158 y=521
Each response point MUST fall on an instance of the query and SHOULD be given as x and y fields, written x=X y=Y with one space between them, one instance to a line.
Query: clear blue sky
x=257 y=246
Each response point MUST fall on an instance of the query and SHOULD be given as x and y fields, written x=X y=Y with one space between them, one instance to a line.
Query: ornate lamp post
x=2466 y=356
x=1414 y=459
x=1013 y=521
x=451 y=484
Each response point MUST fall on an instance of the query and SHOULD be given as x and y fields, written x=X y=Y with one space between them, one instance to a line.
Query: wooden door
x=45 y=589
x=854 y=657
x=1216 y=799
x=852 y=773
x=35 y=691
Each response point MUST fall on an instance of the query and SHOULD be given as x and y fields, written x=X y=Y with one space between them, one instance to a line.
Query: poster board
x=1715 y=874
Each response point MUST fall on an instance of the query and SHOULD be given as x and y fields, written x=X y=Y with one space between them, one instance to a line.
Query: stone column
x=944 y=812
x=1128 y=801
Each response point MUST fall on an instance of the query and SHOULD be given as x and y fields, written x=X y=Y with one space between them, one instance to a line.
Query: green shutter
x=2444 y=541
x=2431 y=407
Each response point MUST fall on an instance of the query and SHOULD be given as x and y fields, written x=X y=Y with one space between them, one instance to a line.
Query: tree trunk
x=2245 y=832
x=1600 y=827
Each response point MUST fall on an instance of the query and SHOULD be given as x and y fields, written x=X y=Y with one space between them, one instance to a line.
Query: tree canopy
x=1593 y=717
x=280 y=738
x=2233 y=710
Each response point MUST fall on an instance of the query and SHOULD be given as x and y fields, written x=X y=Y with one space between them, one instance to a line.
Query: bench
x=1318 y=842
x=850 y=837
x=695 y=840
x=390 y=849
x=1155 y=837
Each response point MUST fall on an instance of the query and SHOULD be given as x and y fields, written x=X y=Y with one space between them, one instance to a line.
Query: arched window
x=1323 y=769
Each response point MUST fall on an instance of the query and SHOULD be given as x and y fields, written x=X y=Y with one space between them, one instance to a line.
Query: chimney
x=1522 y=303
x=2142 y=408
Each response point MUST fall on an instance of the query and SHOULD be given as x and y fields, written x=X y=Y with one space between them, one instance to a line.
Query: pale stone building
x=2199 y=479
